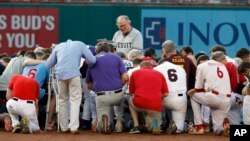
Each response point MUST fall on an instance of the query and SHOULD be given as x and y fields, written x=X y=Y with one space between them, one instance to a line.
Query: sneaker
x=197 y=130
x=105 y=123
x=171 y=128
x=156 y=129
x=190 y=126
x=226 y=126
x=17 y=129
x=135 y=130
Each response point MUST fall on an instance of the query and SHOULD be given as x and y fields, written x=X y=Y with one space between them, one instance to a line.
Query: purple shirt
x=106 y=73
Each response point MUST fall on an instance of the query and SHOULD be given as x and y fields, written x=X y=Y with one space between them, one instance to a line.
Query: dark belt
x=103 y=93
x=180 y=94
x=28 y=101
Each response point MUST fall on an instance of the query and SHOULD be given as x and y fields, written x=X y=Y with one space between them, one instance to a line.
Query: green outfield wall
x=23 y=26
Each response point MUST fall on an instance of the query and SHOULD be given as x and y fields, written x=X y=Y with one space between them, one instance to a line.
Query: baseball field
x=91 y=136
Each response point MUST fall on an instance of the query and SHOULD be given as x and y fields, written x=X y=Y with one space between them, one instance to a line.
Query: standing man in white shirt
x=66 y=58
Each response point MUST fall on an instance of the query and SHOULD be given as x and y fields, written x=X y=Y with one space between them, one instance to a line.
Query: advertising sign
x=199 y=28
x=25 y=28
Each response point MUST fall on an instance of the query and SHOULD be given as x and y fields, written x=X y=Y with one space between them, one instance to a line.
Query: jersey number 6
x=32 y=73
x=172 y=76
x=219 y=72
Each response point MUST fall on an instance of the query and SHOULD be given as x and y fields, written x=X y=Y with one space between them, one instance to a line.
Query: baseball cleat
x=197 y=130
x=171 y=128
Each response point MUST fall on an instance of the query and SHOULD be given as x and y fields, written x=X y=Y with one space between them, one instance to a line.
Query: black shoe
x=85 y=124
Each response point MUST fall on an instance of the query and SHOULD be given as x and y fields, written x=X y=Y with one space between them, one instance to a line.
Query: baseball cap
x=169 y=45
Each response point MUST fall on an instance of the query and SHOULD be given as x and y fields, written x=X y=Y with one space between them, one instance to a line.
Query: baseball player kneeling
x=22 y=95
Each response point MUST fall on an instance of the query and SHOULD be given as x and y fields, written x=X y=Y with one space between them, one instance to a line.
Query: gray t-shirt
x=133 y=40
x=15 y=66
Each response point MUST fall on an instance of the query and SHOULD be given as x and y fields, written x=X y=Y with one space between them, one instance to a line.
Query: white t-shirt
x=175 y=76
x=133 y=40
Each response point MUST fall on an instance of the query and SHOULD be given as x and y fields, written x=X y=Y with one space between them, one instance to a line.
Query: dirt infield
x=91 y=136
